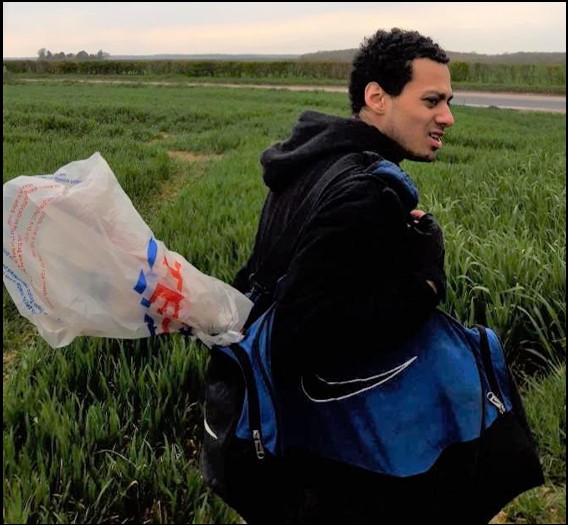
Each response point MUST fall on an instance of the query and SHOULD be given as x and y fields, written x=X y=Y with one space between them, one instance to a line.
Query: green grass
x=178 y=79
x=545 y=404
x=107 y=431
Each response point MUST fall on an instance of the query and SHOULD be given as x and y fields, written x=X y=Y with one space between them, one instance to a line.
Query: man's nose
x=445 y=117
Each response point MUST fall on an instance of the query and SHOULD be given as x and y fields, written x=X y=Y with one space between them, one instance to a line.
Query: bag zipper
x=253 y=404
x=266 y=377
x=494 y=396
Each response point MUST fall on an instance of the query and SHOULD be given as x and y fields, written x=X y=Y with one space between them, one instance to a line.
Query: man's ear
x=375 y=98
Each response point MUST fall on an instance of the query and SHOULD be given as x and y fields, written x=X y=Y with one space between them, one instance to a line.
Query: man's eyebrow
x=441 y=96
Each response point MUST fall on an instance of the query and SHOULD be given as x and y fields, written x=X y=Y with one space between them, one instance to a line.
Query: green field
x=107 y=430
x=536 y=78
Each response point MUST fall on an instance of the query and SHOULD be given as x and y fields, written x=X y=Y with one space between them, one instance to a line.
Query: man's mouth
x=436 y=138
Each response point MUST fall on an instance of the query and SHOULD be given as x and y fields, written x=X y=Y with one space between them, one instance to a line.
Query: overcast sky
x=144 y=28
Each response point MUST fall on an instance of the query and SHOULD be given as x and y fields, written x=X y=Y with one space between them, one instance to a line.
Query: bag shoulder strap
x=275 y=264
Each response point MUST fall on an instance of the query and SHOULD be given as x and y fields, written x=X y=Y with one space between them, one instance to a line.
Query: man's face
x=417 y=118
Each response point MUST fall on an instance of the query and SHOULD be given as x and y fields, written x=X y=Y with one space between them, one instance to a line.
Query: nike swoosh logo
x=320 y=390
x=208 y=429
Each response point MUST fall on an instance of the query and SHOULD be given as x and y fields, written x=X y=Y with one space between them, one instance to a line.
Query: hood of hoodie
x=316 y=136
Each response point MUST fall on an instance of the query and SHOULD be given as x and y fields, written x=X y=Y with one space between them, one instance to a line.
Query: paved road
x=511 y=100
x=525 y=102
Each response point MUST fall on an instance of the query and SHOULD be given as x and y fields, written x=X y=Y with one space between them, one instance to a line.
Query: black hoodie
x=316 y=137
x=353 y=286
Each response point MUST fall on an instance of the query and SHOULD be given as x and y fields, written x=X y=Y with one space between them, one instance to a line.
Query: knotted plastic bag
x=79 y=260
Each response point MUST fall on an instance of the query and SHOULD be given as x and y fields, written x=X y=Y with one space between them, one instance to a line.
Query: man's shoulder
x=357 y=188
x=367 y=174
x=355 y=170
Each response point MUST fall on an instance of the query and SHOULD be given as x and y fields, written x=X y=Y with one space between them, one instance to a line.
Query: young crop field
x=108 y=431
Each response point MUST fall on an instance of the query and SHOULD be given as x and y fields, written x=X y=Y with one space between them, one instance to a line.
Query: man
x=367 y=268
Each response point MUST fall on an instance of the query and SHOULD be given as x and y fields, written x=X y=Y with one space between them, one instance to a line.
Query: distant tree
x=46 y=54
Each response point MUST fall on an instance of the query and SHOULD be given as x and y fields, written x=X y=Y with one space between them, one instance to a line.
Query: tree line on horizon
x=518 y=58
x=342 y=55
x=46 y=54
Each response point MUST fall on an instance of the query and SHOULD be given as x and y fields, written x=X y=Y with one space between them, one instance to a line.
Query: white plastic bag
x=79 y=260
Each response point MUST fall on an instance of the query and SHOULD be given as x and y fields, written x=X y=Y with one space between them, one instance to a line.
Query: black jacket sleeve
x=357 y=282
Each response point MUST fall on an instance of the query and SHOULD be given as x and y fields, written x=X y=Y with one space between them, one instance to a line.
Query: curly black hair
x=386 y=58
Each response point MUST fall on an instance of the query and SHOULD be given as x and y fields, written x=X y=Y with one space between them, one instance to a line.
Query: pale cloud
x=287 y=27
